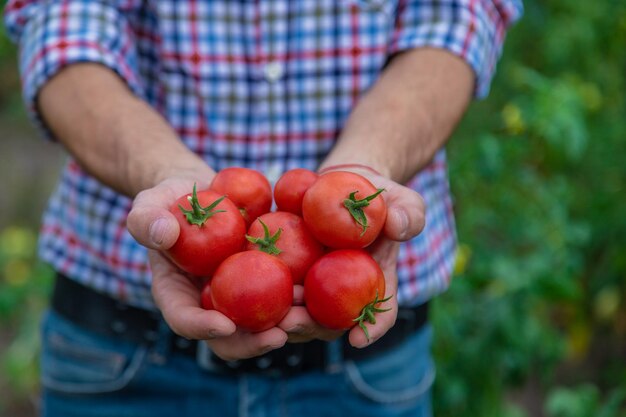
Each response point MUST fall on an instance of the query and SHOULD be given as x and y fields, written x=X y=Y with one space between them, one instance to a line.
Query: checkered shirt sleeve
x=54 y=34
x=473 y=30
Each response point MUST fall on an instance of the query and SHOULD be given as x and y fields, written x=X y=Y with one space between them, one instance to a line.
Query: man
x=151 y=97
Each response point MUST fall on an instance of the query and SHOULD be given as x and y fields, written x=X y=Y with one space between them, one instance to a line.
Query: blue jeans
x=85 y=374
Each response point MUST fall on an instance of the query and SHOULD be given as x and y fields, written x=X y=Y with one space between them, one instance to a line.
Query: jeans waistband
x=102 y=314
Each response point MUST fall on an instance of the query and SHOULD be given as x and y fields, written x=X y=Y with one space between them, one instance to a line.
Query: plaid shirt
x=261 y=84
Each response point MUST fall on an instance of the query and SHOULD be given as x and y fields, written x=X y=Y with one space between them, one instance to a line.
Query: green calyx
x=355 y=207
x=267 y=243
x=367 y=314
x=198 y=215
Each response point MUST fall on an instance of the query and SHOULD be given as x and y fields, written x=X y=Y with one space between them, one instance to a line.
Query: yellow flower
x=17 y=242
x=606 y=303
x=513 y=119
x=463 y=255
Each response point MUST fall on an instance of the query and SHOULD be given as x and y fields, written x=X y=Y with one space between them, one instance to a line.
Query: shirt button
x=273 y=71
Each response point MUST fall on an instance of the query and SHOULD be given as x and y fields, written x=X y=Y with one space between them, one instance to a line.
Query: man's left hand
x=405 y=220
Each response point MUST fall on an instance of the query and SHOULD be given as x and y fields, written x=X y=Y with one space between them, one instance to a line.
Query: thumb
x=150 y=222
x=406 y=213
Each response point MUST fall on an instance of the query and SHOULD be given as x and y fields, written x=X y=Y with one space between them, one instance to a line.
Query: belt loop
x=160 y=348
x=334 y=356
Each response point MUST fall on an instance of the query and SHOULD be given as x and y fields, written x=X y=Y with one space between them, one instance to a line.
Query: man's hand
x=405 y=220
x=176 y=294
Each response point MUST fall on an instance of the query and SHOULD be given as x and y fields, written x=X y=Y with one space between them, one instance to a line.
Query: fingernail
x=294 y=329
x=157 y=231
x=267 y=349
x=215 y=333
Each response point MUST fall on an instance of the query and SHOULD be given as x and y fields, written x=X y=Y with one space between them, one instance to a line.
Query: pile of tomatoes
x=249 y=258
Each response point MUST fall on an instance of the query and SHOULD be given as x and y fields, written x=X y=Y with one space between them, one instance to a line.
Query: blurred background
x=534 y=323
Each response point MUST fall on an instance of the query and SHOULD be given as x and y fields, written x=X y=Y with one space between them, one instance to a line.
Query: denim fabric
x=85 y=374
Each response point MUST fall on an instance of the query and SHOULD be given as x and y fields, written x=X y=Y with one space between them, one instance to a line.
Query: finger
x=406 y=212
x=243 y=345
x=384 y=322
x=150 y=222
x=301 y=327
x=385 y=251
x=178 y=298
x=152 y=227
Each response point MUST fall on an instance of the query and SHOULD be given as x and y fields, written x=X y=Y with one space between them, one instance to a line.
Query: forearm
x=408 y=115
x=113 y=135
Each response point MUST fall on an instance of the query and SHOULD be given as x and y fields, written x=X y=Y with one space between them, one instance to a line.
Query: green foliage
x=584 y=401
x=537 y=171
x=24 y=289
x=7 y=50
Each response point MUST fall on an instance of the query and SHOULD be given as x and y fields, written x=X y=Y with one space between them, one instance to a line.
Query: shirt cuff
x=58 y=34
x=473 y=30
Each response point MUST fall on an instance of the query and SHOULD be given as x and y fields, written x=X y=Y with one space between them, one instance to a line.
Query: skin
x=119 y=139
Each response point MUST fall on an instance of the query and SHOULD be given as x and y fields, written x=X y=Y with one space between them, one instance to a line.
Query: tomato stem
x=367 y=314
x=267 y=243
x=198 y=215
x=355 y=207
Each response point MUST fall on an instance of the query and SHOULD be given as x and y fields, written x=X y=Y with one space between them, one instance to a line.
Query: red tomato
x=344 y=288
x=344 y=210
x=253 y=289
x=286 y=236
x=290 y=188
x=247 y=188
x=211 y=229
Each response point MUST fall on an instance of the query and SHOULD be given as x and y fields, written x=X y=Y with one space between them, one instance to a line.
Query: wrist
x=197 y=171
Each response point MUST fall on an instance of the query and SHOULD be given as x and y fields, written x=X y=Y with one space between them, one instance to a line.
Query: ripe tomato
x=286 y=236
x=344 y=210
x=248 y=189
x=253 y=289
x=290 y=188
x=344 y=288
x=211 y=229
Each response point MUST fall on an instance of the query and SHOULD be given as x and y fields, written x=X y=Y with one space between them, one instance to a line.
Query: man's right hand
x=177 y=295
x=128 y=146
